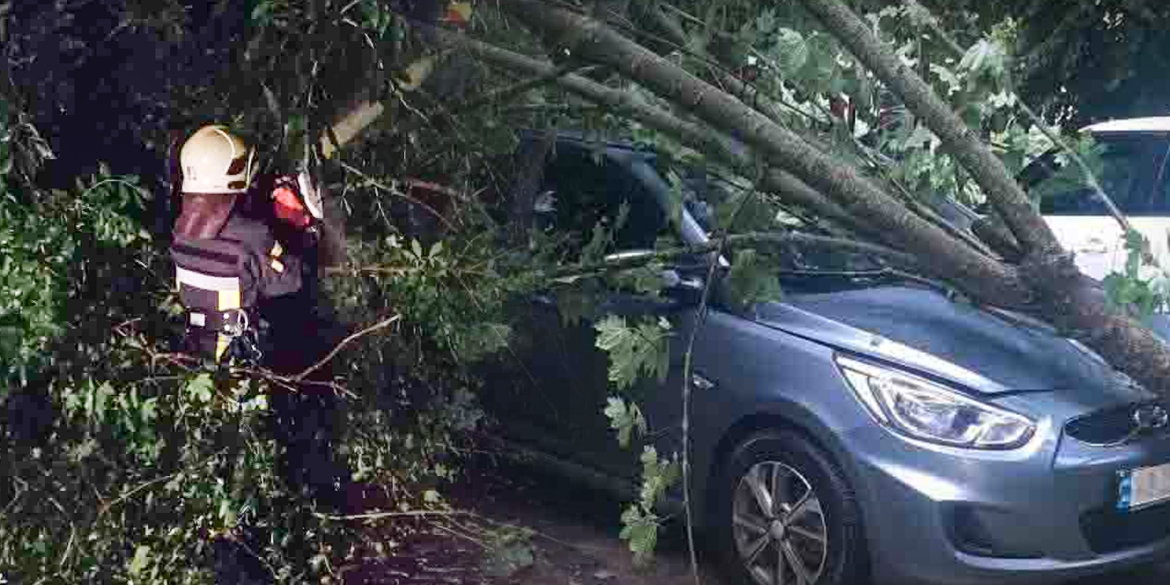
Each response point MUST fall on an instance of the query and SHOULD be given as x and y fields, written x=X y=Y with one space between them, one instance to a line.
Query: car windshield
x=800 y=267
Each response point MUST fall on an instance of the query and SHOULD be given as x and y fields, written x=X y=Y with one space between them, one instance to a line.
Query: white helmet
x=216 y=161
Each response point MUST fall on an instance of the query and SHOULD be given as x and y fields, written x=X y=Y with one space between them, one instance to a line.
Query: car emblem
x=1151 y=417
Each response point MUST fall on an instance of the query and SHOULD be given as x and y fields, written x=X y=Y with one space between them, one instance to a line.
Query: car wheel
x=783 y=514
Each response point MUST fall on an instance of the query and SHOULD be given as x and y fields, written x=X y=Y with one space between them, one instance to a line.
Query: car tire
x=786 y=466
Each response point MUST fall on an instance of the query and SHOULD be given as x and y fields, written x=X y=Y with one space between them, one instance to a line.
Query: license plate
x=1143 y=487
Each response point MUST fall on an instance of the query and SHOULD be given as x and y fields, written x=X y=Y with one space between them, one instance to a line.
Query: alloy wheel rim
x=779 y=526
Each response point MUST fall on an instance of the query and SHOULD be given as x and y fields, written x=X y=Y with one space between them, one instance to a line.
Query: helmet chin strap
x=248 y=168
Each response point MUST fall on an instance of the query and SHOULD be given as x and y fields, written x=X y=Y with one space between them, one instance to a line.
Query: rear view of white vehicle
x=1133 y=174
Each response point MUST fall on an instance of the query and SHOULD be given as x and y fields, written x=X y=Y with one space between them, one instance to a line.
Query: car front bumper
x=1041 y=514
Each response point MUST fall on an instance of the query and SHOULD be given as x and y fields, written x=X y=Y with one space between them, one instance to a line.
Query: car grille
x=1105 y=427
x=1109 y=531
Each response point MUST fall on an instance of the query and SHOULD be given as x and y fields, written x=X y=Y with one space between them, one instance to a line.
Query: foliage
x=752 y=279
x=135 y=463
x=634 y=350
x=141 y=458
x=640 y=520
x=1091 y=61
x=1143 y=288
x=625 y=418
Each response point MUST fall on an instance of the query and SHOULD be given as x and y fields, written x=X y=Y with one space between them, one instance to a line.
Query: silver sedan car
x=861 y=427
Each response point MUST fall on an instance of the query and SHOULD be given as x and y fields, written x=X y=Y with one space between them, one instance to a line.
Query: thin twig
x=740 y=240
x=102 y=511
x=461 y=535
x=700 y=318
x=920 y=208
x=267 y=565
x=72 y=530
x=381 y=515
x=378 y=326
x=397 y=193
x=106 y=507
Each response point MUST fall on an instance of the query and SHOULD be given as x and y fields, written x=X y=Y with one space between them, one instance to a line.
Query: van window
x=1129 y=175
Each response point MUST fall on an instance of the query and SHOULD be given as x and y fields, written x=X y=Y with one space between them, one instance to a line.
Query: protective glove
x=287 y=206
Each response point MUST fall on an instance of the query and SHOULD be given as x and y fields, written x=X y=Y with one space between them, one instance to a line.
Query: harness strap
x=227 y=303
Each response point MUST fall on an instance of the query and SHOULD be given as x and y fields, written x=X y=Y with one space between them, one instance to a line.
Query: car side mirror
x=672 y=280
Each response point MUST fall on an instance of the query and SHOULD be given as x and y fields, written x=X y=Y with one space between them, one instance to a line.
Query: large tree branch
x=748 y=240
x=785 y=185
x=939 y=253
x=1064 y=296
x=1005 y=195
x=755 y=98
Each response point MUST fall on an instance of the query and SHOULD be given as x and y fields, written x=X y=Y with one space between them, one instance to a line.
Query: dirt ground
x=574 y=543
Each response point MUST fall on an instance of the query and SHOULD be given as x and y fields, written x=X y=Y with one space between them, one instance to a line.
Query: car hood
x=924 y=330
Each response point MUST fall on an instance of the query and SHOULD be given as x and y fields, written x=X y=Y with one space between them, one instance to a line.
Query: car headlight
x=925 y=410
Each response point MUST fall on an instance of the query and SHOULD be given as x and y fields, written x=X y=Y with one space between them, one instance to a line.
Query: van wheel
x=783 y=514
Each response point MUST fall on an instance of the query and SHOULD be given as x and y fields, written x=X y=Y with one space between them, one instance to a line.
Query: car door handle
x=699 y=382
x=1092 y=246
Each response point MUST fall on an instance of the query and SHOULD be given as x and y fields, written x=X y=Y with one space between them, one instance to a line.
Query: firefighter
x=246 y=251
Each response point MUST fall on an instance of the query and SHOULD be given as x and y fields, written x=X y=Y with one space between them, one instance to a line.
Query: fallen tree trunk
x=1001 y=189
x=700 y=138
x=1047 y=282
x=1063 y=295
x=939 y=253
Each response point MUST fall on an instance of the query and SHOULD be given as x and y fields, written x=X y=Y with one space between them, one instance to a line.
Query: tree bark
x=1001 y=189
x=788 y=187
x=757 y=100
x=939 y=253
x=1064 y=296
x=1053 y=287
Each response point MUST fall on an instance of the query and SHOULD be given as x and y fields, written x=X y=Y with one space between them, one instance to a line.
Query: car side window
x=1126 y=171
x=580 y=192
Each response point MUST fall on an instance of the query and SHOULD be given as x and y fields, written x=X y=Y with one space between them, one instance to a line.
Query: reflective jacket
x=222 y=280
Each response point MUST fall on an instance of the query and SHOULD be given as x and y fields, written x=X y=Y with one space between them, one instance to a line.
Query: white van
x=1136 y=178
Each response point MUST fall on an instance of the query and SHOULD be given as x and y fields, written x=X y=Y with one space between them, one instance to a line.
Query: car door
x=582 y=190
x=1080 y=221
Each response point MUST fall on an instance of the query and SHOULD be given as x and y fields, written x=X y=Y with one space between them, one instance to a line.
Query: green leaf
x=140 y=560
x=640 y=532
x=634 y=350
x=625 y=418
x=752 y=280
x=657 y=477
x=200 y=388
x=920 y=138
x=984 y=58
x=578 y=303
x=481 y=340
x=791 y=52
x=946 y=76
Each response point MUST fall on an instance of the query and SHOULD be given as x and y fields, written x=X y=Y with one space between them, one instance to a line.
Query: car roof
x=1153 y=124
